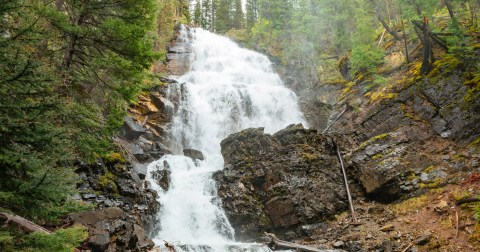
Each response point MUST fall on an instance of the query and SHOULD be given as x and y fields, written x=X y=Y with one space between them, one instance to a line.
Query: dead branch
x=24 y=223
x=467 y=200
x=408 y=247
x=431 y=35
x=349 y=196
x=456 y=223
x=276 y=243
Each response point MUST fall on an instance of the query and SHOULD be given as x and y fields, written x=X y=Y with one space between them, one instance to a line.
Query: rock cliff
x=282 y=182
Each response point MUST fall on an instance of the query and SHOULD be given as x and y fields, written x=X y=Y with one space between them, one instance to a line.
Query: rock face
x=111 y=229
x=406 y=142
x=193 y=154
x=279 y=182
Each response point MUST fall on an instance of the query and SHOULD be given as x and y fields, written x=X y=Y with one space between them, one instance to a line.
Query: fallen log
x=278 y=244
x=467 y=200
x=24 y=223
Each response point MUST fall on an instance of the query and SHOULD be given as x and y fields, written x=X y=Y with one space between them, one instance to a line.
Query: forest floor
x=431 y=222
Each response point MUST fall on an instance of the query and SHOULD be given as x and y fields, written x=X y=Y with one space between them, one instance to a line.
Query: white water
x=227 y=89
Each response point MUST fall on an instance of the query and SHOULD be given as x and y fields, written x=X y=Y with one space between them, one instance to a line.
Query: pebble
x=424 y=239
x=338 y=244
x=369 y=236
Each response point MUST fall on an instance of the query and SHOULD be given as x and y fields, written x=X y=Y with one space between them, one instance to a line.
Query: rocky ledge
x=286 y=183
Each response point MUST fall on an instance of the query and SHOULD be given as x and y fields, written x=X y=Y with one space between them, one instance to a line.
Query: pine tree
x=35 y=148
x=251 y=13
x=197 y=15
x=238 y=17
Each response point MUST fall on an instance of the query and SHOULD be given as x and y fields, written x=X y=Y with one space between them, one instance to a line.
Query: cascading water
x=227 y=89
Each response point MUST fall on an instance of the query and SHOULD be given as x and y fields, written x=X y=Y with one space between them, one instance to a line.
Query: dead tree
x=23 y=223
x=424 y=36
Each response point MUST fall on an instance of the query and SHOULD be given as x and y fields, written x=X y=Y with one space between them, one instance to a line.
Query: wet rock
x=99 y=241
x=193 y=154
x=163 y=104
x=289 y=179
x=338 y=244
x=131 y=130
x=163 y=178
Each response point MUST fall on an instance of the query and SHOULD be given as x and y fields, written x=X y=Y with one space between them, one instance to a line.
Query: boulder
x=111 y=229
x=193 y=154
x=163 y=178
x=131 y=130
x=279 y=182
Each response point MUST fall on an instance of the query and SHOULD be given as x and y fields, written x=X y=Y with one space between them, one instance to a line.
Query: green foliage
x=107 y=181
x=6 y=241
x=62 y=240
x=365 y=58
x=67 y=76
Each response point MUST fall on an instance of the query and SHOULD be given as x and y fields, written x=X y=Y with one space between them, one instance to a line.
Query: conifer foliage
x=68 y=69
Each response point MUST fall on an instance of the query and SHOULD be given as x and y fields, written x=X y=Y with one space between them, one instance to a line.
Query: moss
x=434 y=184
x=473 y=90
x=347 y=89
x=461 y=194
x=412 y=176
x=474 y=238
x=373 y=139
x=107 y=181
x=114 y=157
x=309 y=156
x=429 y=169
x=378 y=156
x=410 y=205
x=415 y=69
x=443 y=67
x=379 y=95
x=390 y=44
x=475 y=143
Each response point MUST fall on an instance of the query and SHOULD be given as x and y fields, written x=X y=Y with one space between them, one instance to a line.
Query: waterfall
x=227 y=89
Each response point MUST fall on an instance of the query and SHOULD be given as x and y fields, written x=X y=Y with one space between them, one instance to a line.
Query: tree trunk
x=405 y=43
x=449 y=8
x=59 y=4
x=427 y=51
x=389 y=30
x=279 y=244
x=24 y=223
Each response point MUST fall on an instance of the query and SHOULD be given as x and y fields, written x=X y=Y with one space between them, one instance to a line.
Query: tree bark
x=427 y=50
x=449 y=8
x=24 y=223
x=59 y=4
x=389 y=30
x=431 y=35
